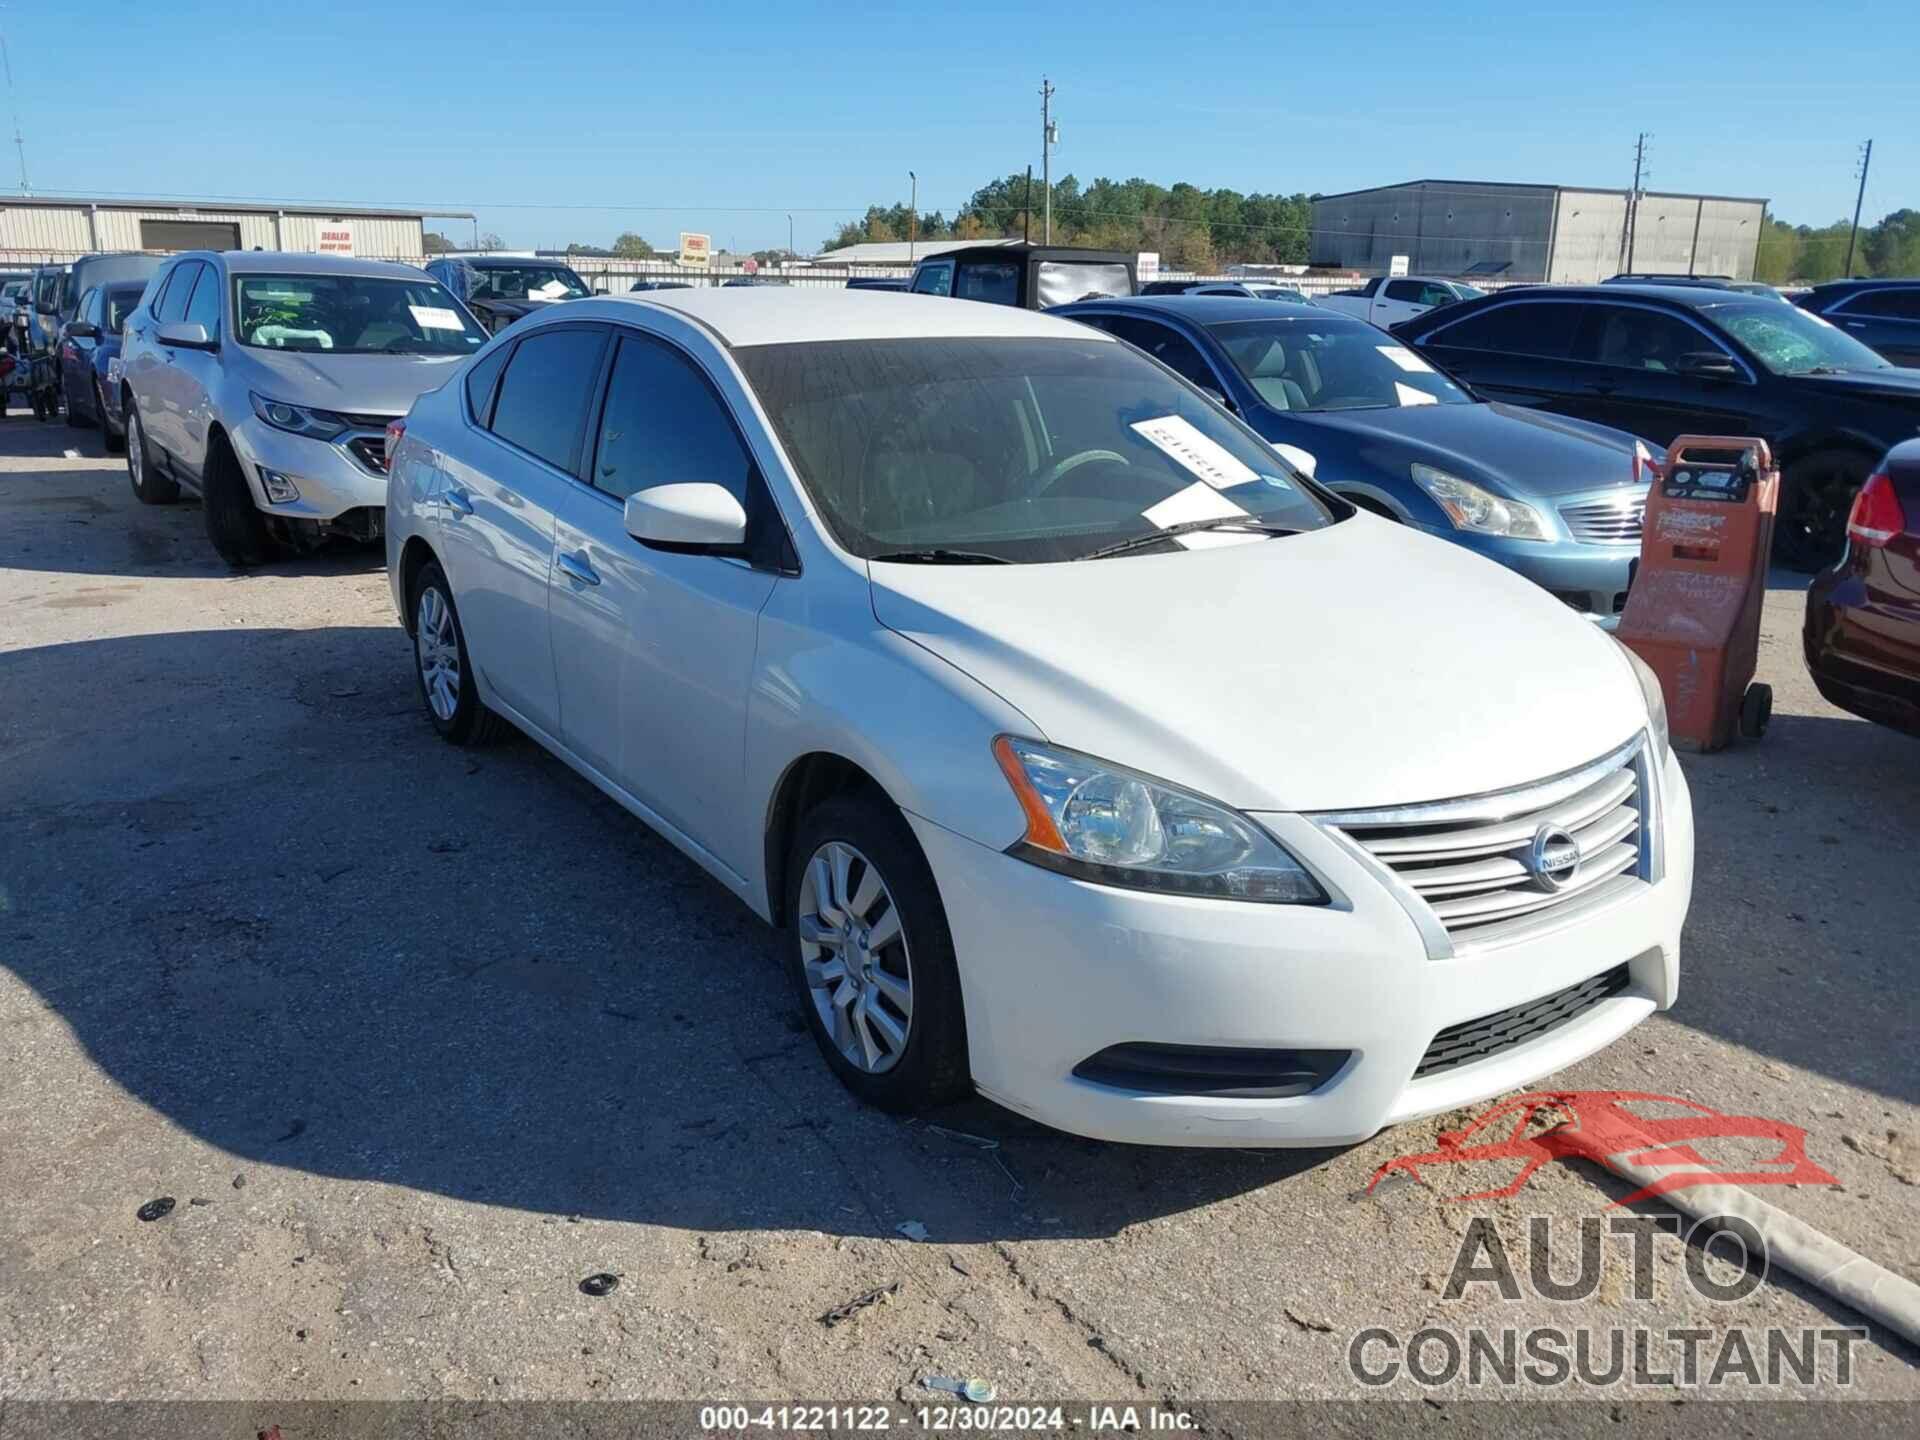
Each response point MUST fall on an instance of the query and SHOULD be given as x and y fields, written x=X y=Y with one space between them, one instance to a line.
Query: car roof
x=777 y=315
x=1694 y=297
x=1212 y=309
x=1831 y=287
x=291 y=262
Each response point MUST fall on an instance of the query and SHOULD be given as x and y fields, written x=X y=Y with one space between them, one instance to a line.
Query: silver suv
x=266 y=382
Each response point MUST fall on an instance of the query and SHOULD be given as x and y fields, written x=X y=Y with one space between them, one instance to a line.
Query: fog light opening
x=281 y=489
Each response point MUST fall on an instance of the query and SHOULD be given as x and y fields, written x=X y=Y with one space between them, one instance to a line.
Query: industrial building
x=40 y=229
x=1535 y=232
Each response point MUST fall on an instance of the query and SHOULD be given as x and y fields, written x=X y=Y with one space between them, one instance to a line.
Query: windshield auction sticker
x=435 y=317
x=1405 y=359
x=1194 y=452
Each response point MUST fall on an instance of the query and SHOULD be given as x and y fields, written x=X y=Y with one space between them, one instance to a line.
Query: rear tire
x=114 y=441
x=841 y=966
x=234 y=523
x=1756 y=711
x=1816 y=492
x=442 y=667
x=150 y=487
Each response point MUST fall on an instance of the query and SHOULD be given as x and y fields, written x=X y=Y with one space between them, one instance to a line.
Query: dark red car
x=1863 y=615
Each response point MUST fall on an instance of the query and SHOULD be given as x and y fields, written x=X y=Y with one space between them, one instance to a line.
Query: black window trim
x=1732 y=348
x=1840 y=308
x=756 y=476
x=579 y=438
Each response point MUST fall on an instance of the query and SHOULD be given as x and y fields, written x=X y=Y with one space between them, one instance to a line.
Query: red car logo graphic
x=1596 y=1125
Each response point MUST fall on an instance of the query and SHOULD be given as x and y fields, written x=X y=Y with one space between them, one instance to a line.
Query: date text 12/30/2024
x=937 y=1419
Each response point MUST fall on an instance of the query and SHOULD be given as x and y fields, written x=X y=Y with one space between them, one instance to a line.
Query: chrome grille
x=1607 y=522
x=1469 y=864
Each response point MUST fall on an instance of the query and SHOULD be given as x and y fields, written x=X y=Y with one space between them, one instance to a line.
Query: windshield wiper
x=1188 y=527
x=939 y=556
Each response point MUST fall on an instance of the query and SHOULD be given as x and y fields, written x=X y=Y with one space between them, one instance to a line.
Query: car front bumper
x=330 y=480
x=1590 y=578
x=1055 y=970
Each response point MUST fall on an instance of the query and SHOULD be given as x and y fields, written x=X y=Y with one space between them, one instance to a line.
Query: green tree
x=629 y=246
x=1893 y=246
x=492 y=241
x=434 y=243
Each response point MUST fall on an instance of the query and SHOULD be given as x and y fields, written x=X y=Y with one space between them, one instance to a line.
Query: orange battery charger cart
x=1693 y=609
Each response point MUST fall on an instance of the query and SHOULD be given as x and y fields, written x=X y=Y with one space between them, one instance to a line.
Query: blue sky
x=559 y=120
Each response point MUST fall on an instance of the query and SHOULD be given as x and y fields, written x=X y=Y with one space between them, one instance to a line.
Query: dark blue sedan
x=90 y=359
x=1558 y=500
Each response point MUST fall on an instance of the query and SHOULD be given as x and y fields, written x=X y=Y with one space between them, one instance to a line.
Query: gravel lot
x=419 y=1039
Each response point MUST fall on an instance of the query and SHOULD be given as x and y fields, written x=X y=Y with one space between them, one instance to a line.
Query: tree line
x=1809 y=254
x=1191 y=228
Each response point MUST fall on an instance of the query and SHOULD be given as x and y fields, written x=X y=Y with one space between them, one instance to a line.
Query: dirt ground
x=417 y=1040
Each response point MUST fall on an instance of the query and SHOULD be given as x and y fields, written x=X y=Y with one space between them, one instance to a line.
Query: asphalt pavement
x=417 y=1040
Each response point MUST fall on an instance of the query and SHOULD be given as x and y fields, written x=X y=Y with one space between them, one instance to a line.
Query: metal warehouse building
x=1535 y=232
x=40 y=229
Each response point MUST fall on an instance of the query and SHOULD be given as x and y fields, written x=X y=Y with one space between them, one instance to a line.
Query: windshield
x=122 y=301
x=526 y=282
x=1469 y=292
x=1789 y=341
x=352 y=315
x=1311 y=363
x=1024 y=450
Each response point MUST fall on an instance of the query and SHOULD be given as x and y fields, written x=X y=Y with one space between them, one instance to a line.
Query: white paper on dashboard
x=1410 y=396
x=1405 y=359
x=552 y=290
x=1197 y=502
x=1194 y=452
x=435 y=317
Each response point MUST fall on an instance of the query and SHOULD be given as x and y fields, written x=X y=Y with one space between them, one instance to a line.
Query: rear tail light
x=396 y=432
x=1877 y=516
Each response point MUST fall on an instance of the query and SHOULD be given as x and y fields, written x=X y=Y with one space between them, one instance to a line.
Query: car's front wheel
x=872 y=957
x=150 y=487
x=442 y=666
x=1816 y=494
x=235 y=526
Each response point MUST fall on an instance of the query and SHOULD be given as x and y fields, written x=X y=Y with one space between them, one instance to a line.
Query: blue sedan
x=90 y=359
x=1559 y=500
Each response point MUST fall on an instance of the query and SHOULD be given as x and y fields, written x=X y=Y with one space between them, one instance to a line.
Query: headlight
x=1112 y=826
x=298 y=419
x=1470 y=507
x=1655 y=698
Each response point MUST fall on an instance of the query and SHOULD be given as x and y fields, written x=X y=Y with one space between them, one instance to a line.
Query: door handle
x=576 y=568
x=458 y=502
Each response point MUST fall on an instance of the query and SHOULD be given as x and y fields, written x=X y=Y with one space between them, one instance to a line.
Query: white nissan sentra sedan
x=1087 y=754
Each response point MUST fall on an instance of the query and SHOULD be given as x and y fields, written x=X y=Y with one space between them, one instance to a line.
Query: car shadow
x=276 y=909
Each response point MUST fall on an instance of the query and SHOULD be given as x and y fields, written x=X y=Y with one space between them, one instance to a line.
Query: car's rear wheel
x=442 y=667
x=1816 y=492
x=114 y=440
x=150 y=487
x=872 y=958
x=235 y=525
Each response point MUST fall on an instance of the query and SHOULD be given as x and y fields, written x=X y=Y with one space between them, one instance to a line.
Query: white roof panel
x=774 y=315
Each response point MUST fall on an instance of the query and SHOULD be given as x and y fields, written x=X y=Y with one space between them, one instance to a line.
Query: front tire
x=150 y=487
x=442 y=667
x=235 y=526
x=872 y=958
x=1816 y=493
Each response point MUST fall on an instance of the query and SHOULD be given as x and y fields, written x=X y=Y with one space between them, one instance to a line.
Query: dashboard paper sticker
x=1408 y=395
x=435 y=317
x=552 y=290
x=1194 y=452
x=1405 y=359
x=1196 y=502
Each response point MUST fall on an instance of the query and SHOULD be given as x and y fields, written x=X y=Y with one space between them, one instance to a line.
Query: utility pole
x=19 y=141
x=789 y=237
x=1866 y=159
x=1627 y=224
x=1048 y=134
x=913 y=214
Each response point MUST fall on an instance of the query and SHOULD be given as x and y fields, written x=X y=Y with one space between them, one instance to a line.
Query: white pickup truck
x=1387 y=300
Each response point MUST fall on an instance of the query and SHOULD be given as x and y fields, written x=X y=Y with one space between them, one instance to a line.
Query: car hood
x=1361 y=665
x=1898 y=384
x=1523 y=451
x=363 y=384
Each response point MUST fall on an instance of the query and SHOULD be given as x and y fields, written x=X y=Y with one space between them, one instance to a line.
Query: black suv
x=1882 y=313
x=1030 y=276
x=1662 y=361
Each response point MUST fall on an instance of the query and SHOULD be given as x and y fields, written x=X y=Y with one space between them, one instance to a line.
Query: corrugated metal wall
x=58 y=231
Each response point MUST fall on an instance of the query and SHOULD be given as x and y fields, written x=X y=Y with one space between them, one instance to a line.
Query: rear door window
x=1412 y=291
x=1169 y=347
x=995 y=281
x=1887 y=304
x=1544 y=328
x=1628 y=337
x=547 y=390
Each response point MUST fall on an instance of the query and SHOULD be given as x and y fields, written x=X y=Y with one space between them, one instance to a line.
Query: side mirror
x=186 y=335
x=1709 y=363
x=696 y=516
x=82 y=330
x=1221 y=400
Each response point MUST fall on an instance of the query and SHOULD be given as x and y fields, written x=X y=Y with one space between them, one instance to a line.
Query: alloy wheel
x=854 y=952
x=136 y=451
x=438 y=647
